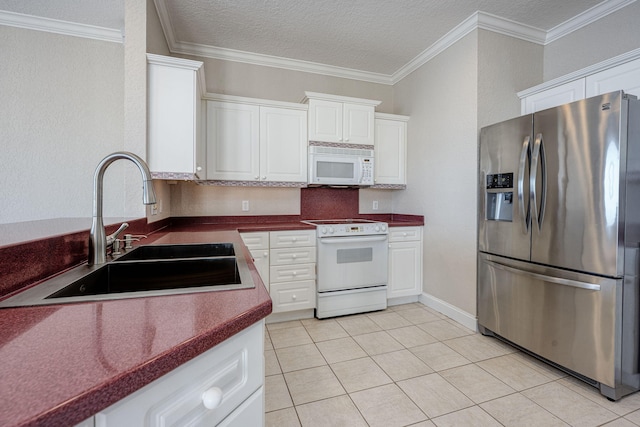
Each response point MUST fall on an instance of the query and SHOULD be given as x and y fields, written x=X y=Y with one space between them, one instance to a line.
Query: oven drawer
x=286 y=256
x=293 y=238
x=289 y=273
x=292 y=296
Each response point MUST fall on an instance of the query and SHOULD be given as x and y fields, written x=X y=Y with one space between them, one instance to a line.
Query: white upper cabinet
x=233 y=141
x=618 y=73
x=553 y=97
x=175 y=135
x=341 y=119
x=283 y=144
x=623 y=77
x=390 y=149
x=251 y=142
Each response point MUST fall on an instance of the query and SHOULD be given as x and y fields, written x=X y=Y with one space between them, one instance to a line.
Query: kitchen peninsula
x=65 y=363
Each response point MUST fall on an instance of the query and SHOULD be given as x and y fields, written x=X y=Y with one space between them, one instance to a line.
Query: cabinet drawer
x=293 y=238
x=293 y=296
x=400 y=234
x=235 y=367
x=293 y=255
x=257 y=240
x=288 y=273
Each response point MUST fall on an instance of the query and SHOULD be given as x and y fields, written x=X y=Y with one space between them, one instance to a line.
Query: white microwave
x=340 y=166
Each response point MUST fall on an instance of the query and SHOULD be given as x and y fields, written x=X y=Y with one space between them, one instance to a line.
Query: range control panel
x=500 y=180
x=352 y=229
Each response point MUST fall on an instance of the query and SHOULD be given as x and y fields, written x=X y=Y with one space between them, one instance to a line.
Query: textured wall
x=441 y=98
x=608 y=37
x=61 y=111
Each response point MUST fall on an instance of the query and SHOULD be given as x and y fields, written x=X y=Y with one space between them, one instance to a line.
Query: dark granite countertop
x=63 y=363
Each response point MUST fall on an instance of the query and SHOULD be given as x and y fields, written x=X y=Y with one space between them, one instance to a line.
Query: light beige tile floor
x=412 y=366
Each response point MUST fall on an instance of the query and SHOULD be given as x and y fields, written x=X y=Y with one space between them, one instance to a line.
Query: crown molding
x=277 y=62
x=585 y=18
x=56 y=26
x=478 y=20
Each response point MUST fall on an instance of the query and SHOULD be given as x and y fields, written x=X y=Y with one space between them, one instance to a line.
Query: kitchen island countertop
x=63 y=363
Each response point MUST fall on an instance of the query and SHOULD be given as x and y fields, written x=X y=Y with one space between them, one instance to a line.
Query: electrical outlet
x=154 y=209
x=375 y=205
x=245 y=206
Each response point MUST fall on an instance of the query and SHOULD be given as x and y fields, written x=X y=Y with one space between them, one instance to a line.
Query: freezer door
x=575 y=185
x=503 y=190
x=569 y=318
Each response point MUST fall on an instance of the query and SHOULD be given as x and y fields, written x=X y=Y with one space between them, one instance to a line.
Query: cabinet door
x=283 y=144
x=553 y=97
x=390 y=152
x=325 y=121
x=623 y=77
x=358 y=124
x=232 y=141
x=174 y=116
x=405 y=269
x=261 y=261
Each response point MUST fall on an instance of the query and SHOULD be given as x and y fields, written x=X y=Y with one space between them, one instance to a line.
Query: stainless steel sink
x=145 y=271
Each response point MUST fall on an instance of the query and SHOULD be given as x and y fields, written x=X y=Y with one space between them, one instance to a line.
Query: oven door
x=352 y=262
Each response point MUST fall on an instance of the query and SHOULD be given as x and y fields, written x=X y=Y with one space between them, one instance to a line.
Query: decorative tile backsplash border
x=280 y=184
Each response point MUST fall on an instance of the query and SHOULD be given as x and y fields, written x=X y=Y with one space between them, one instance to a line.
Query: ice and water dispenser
x=499 y=197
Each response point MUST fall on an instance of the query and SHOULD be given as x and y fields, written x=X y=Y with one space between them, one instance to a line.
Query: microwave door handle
x=524 y=154
x=333 y=240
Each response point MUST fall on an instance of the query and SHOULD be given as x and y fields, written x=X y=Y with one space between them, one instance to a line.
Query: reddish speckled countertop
x=60 y=364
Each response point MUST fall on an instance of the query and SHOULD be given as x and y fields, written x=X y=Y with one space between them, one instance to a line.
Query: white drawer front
x=399 y=234
x=293 y=255
x=235 y=367
x=257 y=240
x=293 y=296
x=293 y=238
x=289 y=273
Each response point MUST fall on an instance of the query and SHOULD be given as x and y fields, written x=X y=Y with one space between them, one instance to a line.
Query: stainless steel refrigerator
x=559 y=237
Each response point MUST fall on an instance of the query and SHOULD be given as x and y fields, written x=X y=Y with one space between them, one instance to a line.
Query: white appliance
x=340 y=166
x=352 y=264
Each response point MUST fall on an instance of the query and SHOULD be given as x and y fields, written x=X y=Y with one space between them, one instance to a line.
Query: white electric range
x=352 y=266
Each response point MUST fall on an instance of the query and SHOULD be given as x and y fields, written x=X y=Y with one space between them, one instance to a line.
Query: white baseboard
x=290 y=315
x=402 y=300
x=468 y=320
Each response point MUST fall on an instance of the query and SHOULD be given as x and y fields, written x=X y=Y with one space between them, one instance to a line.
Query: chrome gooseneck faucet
x=97 y=237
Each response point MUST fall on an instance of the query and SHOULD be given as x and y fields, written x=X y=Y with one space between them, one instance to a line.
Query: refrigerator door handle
x=551 y=279
x=538 y=157
x=524 y=154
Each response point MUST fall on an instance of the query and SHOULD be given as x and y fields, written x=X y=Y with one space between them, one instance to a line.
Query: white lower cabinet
x=223 y=386
x=405 y=262
x=258 y=245
x=292 y=273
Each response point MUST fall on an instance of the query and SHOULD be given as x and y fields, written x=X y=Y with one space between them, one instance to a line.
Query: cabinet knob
x=294 y=256
x=265 y=254
x=295 y=273
x=256 y=177
x=346 y=139
x=294 y=297
x=264 y=178
x=404 y=234
x=211 y=398
x=199 y=168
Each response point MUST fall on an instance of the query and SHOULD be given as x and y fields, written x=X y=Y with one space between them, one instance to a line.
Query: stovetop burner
x=338 y=221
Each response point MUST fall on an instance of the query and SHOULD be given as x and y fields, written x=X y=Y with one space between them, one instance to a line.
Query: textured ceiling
x=373 y=36
x=370 y=35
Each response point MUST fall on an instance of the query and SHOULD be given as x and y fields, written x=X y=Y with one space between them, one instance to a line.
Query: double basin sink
x=145 y=271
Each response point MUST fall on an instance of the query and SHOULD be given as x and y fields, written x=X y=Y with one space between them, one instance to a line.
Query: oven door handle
x=365 y=239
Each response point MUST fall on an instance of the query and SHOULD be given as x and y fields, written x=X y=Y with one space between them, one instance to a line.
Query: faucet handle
x=112 y=237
